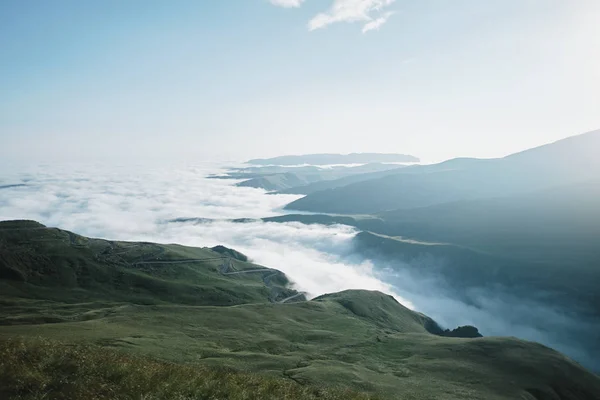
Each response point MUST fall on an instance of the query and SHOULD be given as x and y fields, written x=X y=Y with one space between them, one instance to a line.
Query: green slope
x=35 y=261
x=325 y=343
x=361 y=340
x=46 y=369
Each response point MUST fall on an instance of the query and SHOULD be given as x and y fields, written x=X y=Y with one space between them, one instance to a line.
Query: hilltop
x=53 y=264
x=196 y=311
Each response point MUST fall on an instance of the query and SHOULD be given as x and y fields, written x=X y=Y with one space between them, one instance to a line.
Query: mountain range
x=299 y=180
x=569 y=161
x=527 y=224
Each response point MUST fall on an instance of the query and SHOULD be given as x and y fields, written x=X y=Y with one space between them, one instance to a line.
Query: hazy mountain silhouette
x=567 y=161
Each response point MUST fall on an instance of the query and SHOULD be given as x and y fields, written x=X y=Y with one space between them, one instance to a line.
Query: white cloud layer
x=377 y=23
x=370 y=12
x=351 y=11
x=137 y=202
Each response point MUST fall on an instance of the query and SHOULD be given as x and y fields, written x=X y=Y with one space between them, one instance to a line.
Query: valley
x=300 y=199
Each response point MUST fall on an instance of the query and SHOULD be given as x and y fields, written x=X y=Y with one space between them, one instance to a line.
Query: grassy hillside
x=325 y=343
x=541 y=247
x=35 y=261
x=357 y=340
x=44 y=369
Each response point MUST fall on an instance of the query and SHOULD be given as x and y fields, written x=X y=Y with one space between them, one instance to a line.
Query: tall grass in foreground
x=43 y=369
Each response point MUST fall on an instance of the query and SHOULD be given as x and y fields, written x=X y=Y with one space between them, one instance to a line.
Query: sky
x=237 y=79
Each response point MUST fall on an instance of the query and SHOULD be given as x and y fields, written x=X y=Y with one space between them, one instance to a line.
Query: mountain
x=289 y=178
x=339 y=182
x=278 y=181
x=558 y=225
x=564 y=162
x=83 y=316
x=486 y=243
x=330 y=159
x=62 y=266
x=546 y=240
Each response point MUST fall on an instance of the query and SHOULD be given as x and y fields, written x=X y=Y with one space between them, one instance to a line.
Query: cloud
x=314 y=257
x=377 y=23
x=137 y=202
x=496 y=311
x=368 y=11
x=287 y=3
x=352 y=11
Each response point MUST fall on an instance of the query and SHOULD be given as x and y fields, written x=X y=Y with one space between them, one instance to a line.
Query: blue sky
x=247 y=78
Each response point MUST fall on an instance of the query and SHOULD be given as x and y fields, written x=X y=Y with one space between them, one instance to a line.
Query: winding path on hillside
x=249 y=271
x=228 y=264
x=299 y=294
x=226 y=268
x=185 y=261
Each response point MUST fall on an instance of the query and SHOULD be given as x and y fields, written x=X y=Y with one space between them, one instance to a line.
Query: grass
x=112 y=327
x=355 y=340
x=43 y=369
x=35 y=261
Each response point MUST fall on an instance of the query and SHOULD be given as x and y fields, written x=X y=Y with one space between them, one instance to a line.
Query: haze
x=325 y=199
x=255 y=78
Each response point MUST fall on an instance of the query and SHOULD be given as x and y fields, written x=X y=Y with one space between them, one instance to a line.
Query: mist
x=142 y=203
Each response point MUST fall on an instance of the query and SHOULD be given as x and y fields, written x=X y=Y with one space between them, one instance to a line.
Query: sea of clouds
x=140 y=203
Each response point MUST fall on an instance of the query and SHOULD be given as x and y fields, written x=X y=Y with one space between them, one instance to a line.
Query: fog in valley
x=151 y=203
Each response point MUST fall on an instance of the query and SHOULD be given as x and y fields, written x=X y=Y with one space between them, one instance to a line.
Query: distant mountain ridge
x=529 y=222
x=564 y=162
x=295 y=179
x=329 y=159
